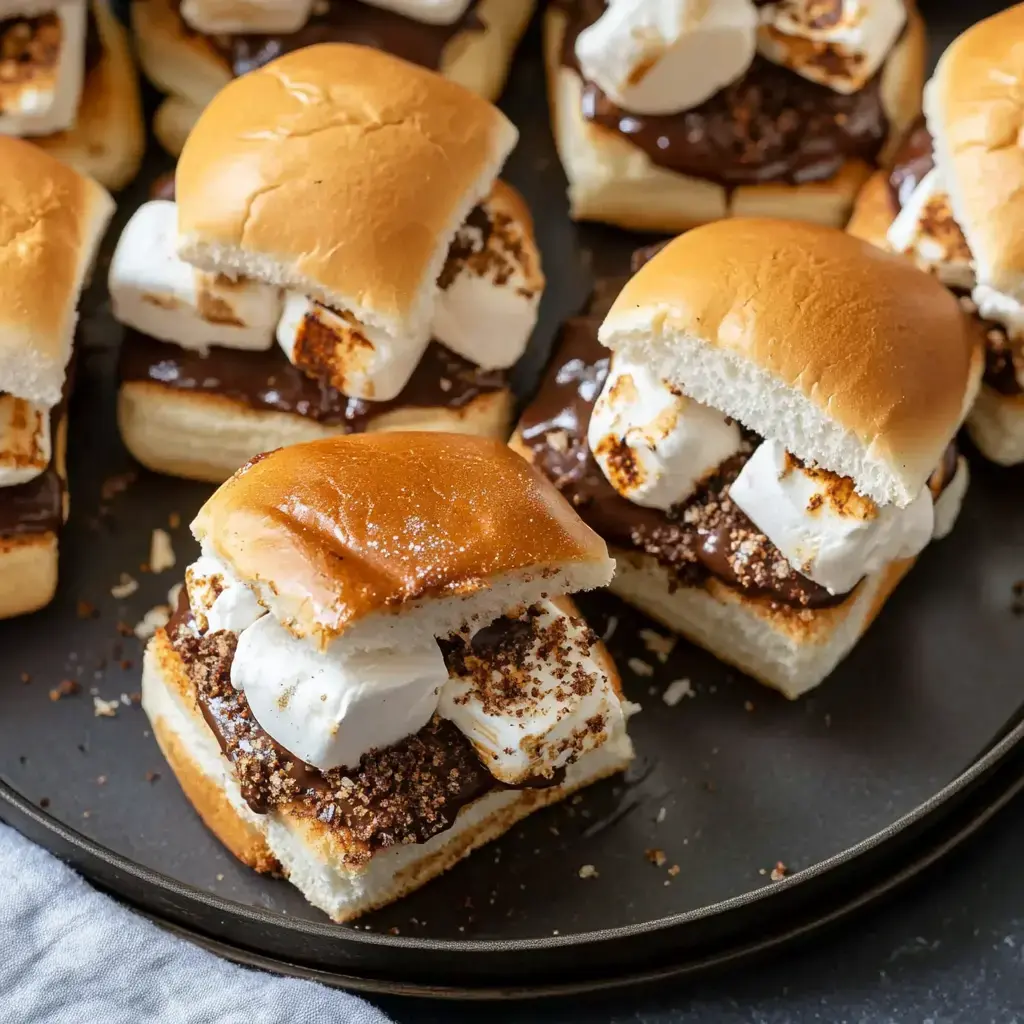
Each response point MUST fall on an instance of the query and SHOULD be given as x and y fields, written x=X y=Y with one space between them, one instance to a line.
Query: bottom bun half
x=207 y=437
x=28 y=573
x=790 y=650
x=108 y=139
x=283 y=842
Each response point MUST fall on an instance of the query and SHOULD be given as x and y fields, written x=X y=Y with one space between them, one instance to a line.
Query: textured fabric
x=72 y=955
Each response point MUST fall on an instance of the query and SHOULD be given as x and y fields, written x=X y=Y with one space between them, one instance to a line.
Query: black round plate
x=894 y=759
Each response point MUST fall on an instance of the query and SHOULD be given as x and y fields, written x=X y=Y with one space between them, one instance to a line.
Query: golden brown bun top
x=876 y=345
x=348 y=526
x=975 y=106
x=348 y=165
x=51 y=219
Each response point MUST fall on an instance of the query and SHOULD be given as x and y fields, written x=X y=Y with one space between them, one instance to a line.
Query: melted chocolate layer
x=344 y=21
x=1004 y=356
x=693 y=540
x=769 y=126
x=267 y=381
x=406 y=793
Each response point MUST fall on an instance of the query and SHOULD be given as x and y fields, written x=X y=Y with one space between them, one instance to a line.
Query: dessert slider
x=672 y=113
x=52 y=223
x=373 y=670
x=770 y=444
x=67 y=82
x=339 y=257
x=951 y=203
x=191 y=49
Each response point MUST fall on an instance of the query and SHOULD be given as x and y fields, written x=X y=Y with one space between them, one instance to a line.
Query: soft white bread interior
x=975 y=107
x=851 y=357
x=614 y=181
x=188 y=67
x=207 y=437
x=342 y=173
x=313 y=859
x=791 y=650
x=51 y=221
x=383 y=537
x=108 y=138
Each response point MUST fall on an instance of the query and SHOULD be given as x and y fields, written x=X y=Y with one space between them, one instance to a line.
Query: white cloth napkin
x=70 y=955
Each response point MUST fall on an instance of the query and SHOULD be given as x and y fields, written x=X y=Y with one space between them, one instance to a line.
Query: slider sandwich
x=340 y=257
x=52 y=221
x=672 y=113
x=67 y=82
x=770 y=443
x=191 y=49
x=372 y=670
x=954 y=203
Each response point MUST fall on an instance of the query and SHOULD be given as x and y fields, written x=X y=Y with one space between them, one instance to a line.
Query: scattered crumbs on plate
x=748 y=705
x=661 y=815
x=588 y=871
x=676 y=691
x=156 y=618
x=125 y=587
x=779 y=872
x=65 y=688
x=640 y=667
x=104 y=708
x=656 y=857
x=161 y=551
x=658 y=644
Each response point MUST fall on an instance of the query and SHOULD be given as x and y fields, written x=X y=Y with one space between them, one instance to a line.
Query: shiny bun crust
x=51 y=221
x=341 y=171
x=975 y=108
x=346 y=527
x=849 y=355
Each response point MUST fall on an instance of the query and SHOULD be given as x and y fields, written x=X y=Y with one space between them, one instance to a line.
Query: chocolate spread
x=705 y=536
x=1004 y=356
x=343 y=21
x=403 y=794
x=771 y=125
x=267 y=381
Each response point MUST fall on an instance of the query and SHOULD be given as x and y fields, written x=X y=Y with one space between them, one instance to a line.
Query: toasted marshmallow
x=431 y=12
x=837 y=43
x=360 y=361
x=530 y=712
x=653 y=444
x=1002 y=308
x=949 y=501
x=218 y=599
x=331 y=708
x=663 y=56
x=42 y=66
x=257 y=16
x=162 y=296
x=926 y=230
x=821 y=525
x=490 y=289
x=25 y=445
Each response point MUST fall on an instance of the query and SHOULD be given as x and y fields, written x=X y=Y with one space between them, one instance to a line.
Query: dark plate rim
x=336 y=932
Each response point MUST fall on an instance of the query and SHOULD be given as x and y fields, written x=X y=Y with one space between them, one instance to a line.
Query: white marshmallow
x=48 y=102
x=535 y=719
x=840 y=44
x=431 y=12
x=948 y=503
x=926 y=231
x=162 y=296
x=331 y=708
x=218 y=599
x=653 y=445
x=360 y=361
x=212 y=17
x=823 y=528
x=1002 y=308
x=663 y=56
x=25 y=445
x=488 y=311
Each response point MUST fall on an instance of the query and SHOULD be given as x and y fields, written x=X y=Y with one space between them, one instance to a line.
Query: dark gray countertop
x=948 y=949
